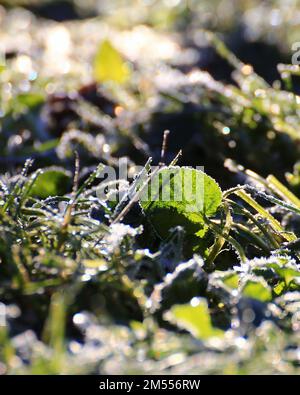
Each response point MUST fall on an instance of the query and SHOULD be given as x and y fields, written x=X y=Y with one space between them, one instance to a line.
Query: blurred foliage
x=108 y=65
x=88 y=284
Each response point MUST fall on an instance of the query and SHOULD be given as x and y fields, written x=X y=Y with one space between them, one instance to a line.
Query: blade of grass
x=265 y=214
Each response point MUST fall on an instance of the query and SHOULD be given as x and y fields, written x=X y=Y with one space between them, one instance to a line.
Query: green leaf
x=51 y=182
x=180 y=196
x=186 y=282
x=284 y=266
x=109 y=65
x=195 y=318
x=286 y=273
x=279 y=288
x=257 y=289
x=231 y=280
